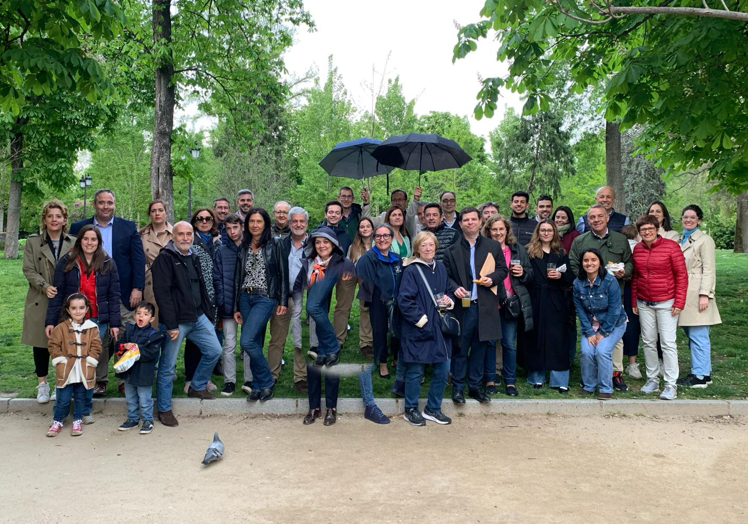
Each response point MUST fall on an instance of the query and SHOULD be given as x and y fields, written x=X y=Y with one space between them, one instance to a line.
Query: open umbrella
x=421 y=152
x=352 y=159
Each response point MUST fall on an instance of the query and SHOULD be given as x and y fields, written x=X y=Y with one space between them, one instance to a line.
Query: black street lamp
x=85 y=183
x=195 y=152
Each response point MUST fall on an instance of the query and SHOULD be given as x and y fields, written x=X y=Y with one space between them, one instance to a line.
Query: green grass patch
x=729 y=351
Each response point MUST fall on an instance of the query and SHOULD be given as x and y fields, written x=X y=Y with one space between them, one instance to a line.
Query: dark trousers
x=379 y=331
x=470 y=359
x=314 y=387
x=633 y=329
x=41 y=361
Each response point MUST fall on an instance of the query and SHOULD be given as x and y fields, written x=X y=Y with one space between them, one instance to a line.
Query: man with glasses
x=351 y=211
x=280 y=228
x=615 y=249
x=451 y=217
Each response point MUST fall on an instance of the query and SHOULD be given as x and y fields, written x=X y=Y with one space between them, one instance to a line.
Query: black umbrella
x=421 y=152
x=352 y=159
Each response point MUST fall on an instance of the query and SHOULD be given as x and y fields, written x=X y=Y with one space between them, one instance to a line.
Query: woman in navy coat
x=422 y=341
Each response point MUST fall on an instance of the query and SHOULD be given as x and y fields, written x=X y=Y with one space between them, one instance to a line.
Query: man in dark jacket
x=605 y=197
x=445 y=236
x=476 y=267
x=614 y=248
x=222 y=209
x=351 y=211
x=121 y=242
x=522 y=225
x=280 y=228
x=185 y=311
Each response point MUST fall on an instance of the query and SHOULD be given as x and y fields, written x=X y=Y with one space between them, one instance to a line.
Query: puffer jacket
x=107 y=292
x=445 y=236
x=519 y=284
x=659 y=273
x=224 y=266
x=601 y=300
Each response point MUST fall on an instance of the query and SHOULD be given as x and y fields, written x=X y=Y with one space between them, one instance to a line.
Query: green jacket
x=614 y=247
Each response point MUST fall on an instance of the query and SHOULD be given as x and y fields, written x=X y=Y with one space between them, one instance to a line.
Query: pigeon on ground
x=214 y=451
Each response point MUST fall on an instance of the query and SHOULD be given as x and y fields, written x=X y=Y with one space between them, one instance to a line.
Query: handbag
x=449 y=324
x=394 y=327
x=511 y=307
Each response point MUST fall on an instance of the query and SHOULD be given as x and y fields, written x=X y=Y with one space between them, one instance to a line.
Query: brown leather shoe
x=301 y=386
x=330 y=417
x=313 y=415
x=604 y=396
x=167 y=418
x=203 y=394
x=99 y=390
x=121 y=389
x=367 y=352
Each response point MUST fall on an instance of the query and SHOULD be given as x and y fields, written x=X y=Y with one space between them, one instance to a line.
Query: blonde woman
x=40 y=256
x=154 y=237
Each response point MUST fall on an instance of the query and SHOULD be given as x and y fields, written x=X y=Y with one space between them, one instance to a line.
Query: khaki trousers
x=279 y=326
x=618 y=356
x=345 y=291
x=365 y=337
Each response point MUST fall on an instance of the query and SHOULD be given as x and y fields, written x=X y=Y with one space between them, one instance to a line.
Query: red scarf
x=87 y=286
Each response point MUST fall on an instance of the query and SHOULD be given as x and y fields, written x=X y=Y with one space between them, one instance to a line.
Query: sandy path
x=481 y=469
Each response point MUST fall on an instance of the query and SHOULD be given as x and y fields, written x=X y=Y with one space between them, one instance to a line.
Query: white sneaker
x=652 y=386
x=42 y=393
x=632 y=370
x=669 y=393
x=88 y=420
x=53 y=396
x=187 y=387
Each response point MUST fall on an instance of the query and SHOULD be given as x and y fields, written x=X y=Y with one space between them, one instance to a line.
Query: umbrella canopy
x=421 y=152
x=352 y=159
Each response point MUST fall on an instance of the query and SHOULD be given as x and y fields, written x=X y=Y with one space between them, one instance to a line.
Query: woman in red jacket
x=658 y=294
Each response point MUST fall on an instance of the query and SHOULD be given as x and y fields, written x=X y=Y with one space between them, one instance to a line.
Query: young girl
x=74 y=346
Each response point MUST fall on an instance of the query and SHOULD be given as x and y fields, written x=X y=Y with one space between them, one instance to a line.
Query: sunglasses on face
x=204 y=219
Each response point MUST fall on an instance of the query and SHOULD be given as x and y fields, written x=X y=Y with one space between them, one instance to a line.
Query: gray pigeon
x=214 y=451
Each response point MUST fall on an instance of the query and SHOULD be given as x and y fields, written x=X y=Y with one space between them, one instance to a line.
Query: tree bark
x=613 y=170
x=14 y=197
x=162 y=185
x=741 y=224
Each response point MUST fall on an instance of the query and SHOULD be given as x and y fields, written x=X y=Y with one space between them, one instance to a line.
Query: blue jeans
x=202 y=334
x=559 y=379
x=469 y=340
x=509 y=350
x=88 y=407
x=701 y=349
x=139 y=396
x=413 y=374
x=318 y=307
x=596 y=362
x=364 y=383
x=256 y=311
x=65 y=395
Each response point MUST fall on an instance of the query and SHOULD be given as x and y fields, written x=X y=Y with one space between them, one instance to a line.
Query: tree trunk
x=613 y=171
x=2 y=218
x=162 y=185
x=741 y=224
x=14 y=198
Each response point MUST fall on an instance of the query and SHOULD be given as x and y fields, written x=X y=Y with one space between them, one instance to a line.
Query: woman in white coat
x=701 y=310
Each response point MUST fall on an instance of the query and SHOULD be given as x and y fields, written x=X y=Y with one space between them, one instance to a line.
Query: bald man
x=606 y=197
x=185 y=311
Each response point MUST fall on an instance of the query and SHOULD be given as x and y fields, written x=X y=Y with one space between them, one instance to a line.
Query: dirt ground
x=519 y=469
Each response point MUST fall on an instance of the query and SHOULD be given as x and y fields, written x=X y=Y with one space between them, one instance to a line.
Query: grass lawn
x=729 y=351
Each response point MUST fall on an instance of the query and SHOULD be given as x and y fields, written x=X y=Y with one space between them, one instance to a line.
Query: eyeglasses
x=383 y=237
x=449 y=201
x=647 y=229
x=280 y=212
x=204 y=219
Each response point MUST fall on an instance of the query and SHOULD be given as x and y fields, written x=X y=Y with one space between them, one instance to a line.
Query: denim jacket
x=602 y=299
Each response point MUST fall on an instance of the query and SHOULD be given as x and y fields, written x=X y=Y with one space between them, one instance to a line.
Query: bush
x=722 y=231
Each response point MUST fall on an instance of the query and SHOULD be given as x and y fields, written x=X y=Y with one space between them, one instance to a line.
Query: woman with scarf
x=323 y=264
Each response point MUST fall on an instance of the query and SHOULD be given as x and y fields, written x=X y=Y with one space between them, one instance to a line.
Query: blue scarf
x=207 y=238
x=687 y=233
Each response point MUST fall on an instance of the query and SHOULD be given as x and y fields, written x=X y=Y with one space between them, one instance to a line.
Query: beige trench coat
x=699 y=252
x=39 y=269
x=152 y=246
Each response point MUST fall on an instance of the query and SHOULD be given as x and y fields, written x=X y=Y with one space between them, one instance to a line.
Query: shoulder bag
x=449 y=323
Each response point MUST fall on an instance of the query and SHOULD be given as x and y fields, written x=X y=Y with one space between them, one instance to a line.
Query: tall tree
x=228 y=53
x=681 y=75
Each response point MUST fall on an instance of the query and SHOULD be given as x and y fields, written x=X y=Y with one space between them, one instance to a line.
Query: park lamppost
x=85 y=183
x=195 y=152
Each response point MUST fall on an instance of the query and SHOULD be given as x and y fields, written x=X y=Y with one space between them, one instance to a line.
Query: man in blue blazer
x=122 y=243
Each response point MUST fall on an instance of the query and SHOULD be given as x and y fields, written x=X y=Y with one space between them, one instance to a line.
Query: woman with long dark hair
x=363 y=242
x=87 y=269
x=395 y=218
x=40 y=254
x=658 y=210
x=563 y=217
x=261 y=288
x=543 y=348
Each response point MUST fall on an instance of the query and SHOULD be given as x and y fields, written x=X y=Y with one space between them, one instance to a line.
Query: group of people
x=471 y=295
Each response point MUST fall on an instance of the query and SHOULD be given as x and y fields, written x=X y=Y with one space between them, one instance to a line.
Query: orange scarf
x=318 y=273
